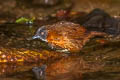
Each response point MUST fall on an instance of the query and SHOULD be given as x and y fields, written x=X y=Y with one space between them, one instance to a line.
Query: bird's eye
x=57 y=39
x=42 y=33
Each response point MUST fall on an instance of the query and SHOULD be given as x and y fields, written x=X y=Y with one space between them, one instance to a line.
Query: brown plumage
x=66 y=35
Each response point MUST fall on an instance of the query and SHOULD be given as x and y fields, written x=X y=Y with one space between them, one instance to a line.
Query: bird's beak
x=38 y=37
x=35 y=37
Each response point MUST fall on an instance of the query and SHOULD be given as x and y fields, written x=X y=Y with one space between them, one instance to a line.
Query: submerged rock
x=40 y=72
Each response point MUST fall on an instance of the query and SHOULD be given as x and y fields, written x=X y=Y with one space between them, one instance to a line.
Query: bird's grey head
x=41 y=34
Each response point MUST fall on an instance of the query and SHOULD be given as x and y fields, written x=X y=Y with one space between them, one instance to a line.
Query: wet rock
x=99 y=20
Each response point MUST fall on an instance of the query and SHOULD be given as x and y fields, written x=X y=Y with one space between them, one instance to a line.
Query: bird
x=65 y=36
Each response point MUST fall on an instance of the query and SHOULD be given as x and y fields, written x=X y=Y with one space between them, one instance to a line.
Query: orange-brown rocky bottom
x=70 y=68
x=24 y=55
